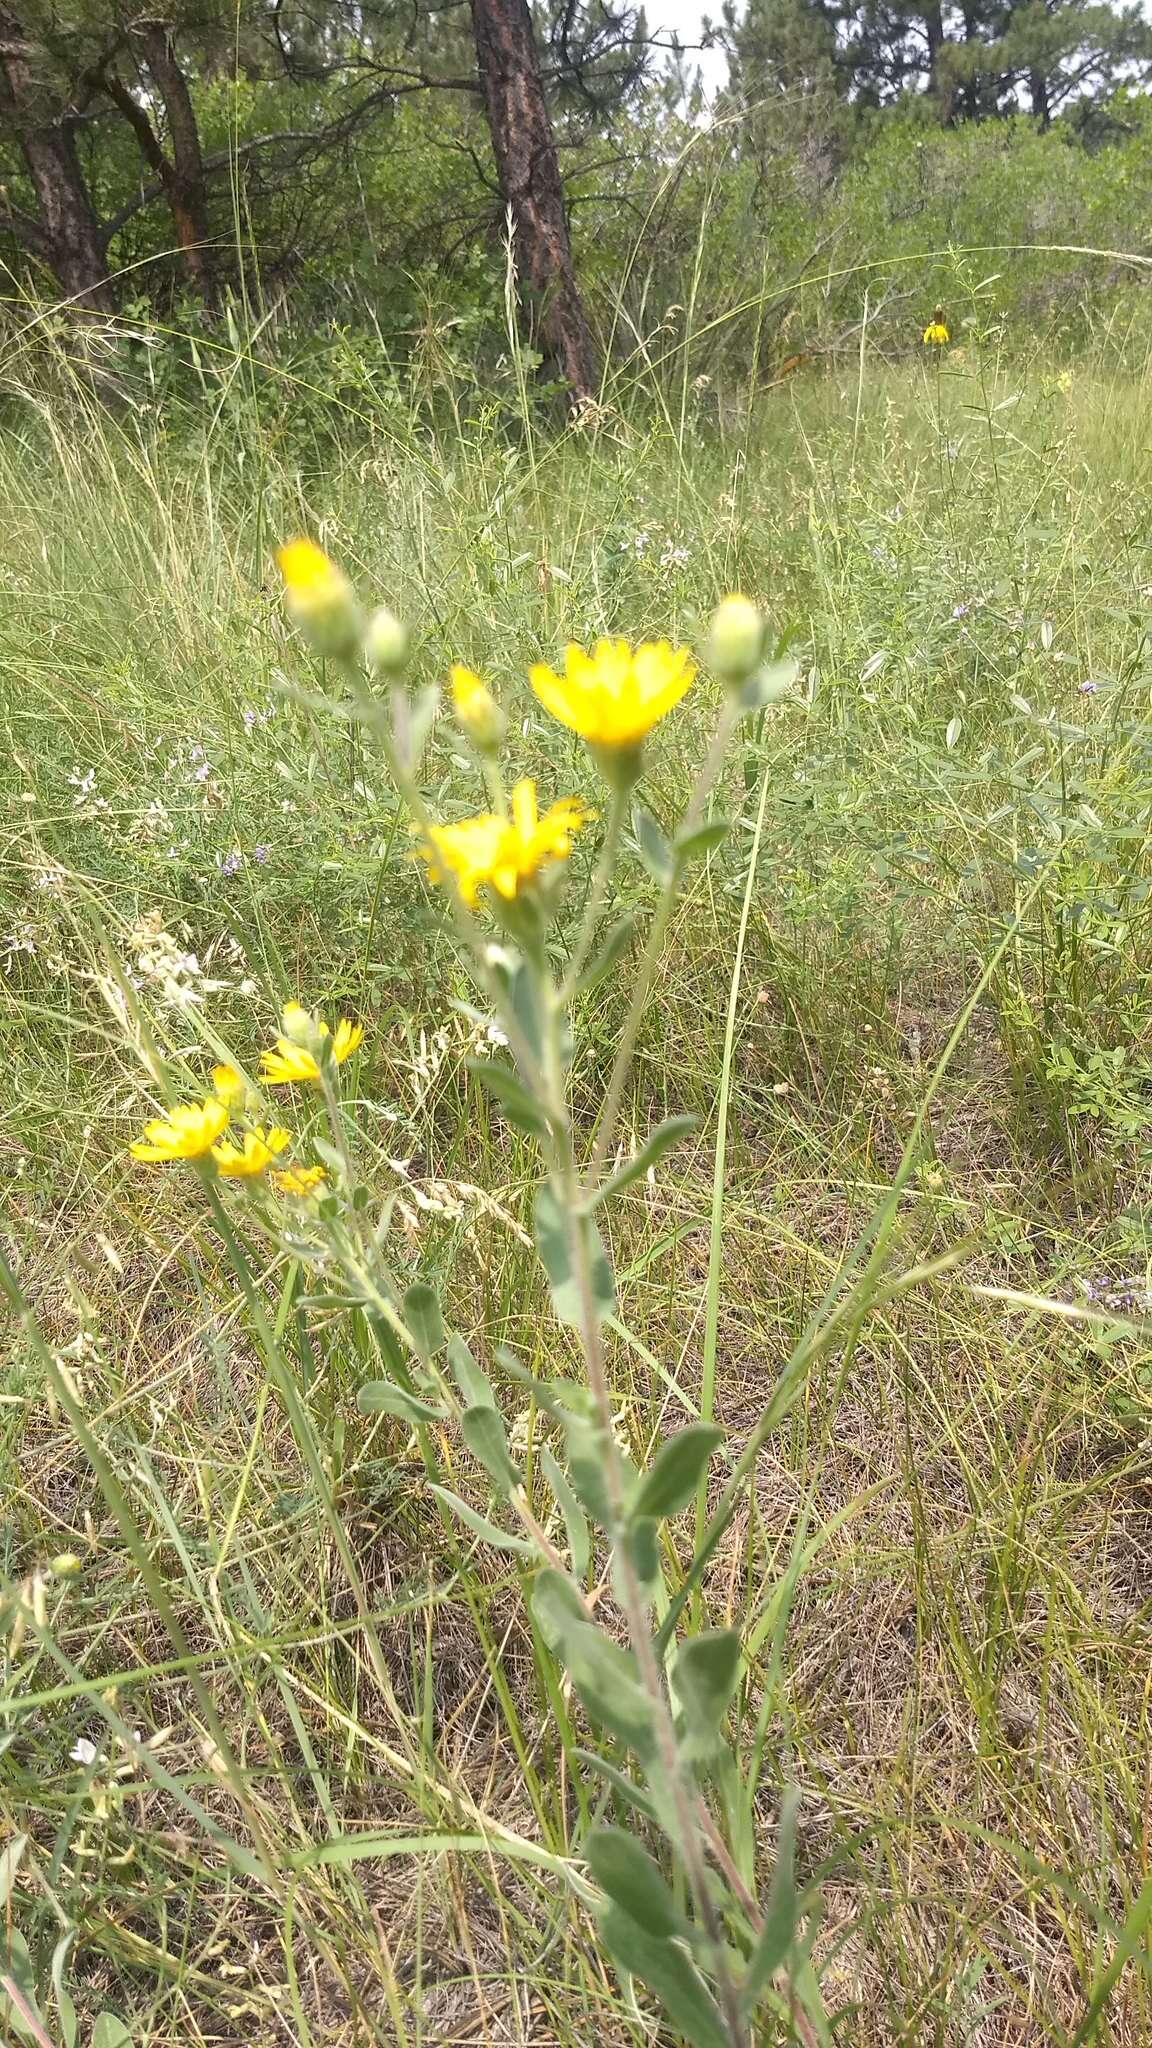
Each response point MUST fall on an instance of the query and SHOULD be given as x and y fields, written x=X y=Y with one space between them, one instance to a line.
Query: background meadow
x=928 y=929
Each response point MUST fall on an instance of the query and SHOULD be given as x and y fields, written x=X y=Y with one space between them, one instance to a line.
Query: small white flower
x=83 y=1751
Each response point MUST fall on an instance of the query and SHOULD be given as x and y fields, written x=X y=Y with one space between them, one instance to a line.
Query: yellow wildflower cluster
x=612 y=697
x=296 y=1055
x=937 y=334
x=197 y=1130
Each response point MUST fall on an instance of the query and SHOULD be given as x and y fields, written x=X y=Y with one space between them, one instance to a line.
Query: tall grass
x=357 y=1816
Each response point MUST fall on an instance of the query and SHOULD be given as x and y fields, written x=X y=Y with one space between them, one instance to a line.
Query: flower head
x=299 y=1180
x=305 y=1037
x=936 y=334
x=477 y=712
x=505 y=853
x=532 y=842
x=254 y=1156
x=229 y=1086
x=614 y=696
x=468 y=851
x=187 y=1132
x=320 y=598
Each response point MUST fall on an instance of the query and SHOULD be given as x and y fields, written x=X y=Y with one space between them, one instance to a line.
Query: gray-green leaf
x=424 y=1320
x=626 y=1872
x=653 y=848
x=518 y=1104
x=769 y=685
x=586 y=1467
x=664 y=1967
x=707 y=1668
x=702 y=839
x=643 y=1540
x=109 y=2032
x=481 y=1526
x=553 y=1234
x=575 y=1523
x=653 y=1149
x=607 y=1680
x=782 y=1910
x=482 y=1428
x=472 y=1381
x=676 y=1471
x=380 y=1397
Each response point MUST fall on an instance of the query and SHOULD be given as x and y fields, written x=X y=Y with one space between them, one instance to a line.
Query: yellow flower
x=468 y=851
x=936 y=334
x=532 y=842
x=254 y=1156
x=294 y=1060
x=229 y=1086
x=299 y=1180
x=320 y=598
x=477 y=712
x=187 y=1132
x=614 y=696
x=505 y=852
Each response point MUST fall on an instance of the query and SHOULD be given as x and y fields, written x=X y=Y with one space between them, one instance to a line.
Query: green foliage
x=954 y=840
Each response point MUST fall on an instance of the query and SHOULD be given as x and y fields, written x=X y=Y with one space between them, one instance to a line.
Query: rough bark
x=180 y=171
x=525 y=150
x=1038 y=94
x=185 y=182
x=64 y=234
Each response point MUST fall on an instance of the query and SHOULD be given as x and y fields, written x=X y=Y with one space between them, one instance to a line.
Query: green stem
x=642 y=988
x=597 y=893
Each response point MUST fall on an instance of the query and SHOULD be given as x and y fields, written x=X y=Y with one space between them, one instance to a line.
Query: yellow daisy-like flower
x=477 y=712
x=532 y=842
x=299 y=1180
x=936 y=334
x=229 y=1086
x=187 y=1132
x=467 y=851
x=320 y=598
x=505 y=853
x=294 y=1061
x=254 y=1156
x=614 y=696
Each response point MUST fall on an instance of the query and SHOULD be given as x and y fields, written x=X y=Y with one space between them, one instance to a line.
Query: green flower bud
x=320 y=599
x=735 y=644
x=386 y=642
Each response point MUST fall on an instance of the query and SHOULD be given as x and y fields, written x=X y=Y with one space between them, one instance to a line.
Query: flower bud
x=301 y=1028
x=386 y=642
x=320 y=599
x=735 y=643
x=67 y=1565
x=477 y=712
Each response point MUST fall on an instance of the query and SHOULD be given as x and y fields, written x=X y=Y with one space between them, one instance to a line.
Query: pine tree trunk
x=65 y=233
x=530 y=179
x=183 y=172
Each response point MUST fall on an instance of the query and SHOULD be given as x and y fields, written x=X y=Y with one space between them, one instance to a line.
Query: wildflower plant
x=672 y=1876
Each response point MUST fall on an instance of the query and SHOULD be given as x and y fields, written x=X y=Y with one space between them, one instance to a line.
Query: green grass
x=940 y=1565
